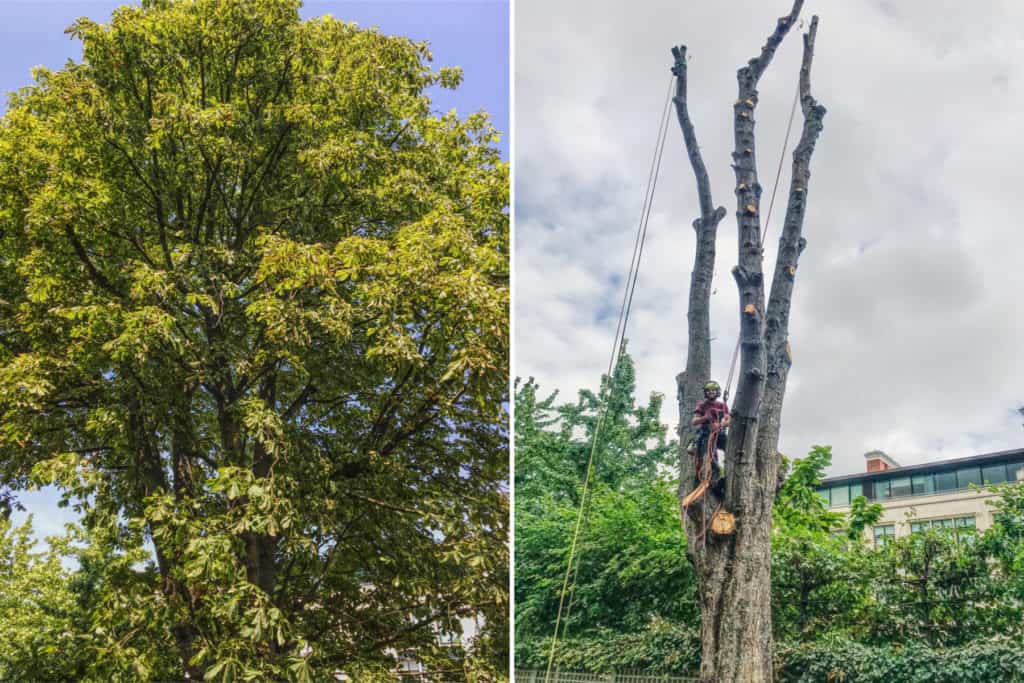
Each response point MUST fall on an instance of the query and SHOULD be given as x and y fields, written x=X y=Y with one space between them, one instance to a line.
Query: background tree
x=937 y=606
x=821 y=571
x=629 y=570
x=253 y=309
x=37 y=611
x=733 y=571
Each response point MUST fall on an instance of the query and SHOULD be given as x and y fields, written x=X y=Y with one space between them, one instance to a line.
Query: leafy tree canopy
x=630 y=570
x=939 y=605
x=253 y=309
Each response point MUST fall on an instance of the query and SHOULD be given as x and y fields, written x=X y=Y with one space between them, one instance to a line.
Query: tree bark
x=261 y=548
x=154 y=481
x=698 y=358
x=734 y=570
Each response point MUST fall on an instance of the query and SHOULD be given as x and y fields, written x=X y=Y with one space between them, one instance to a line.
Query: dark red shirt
x=716 y=410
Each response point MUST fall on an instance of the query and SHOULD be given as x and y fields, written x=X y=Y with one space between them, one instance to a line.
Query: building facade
x=950 y=493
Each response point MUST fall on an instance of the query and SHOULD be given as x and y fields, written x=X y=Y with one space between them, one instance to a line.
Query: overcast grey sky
x=906 y=321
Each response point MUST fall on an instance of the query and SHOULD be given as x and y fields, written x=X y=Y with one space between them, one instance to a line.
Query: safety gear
x=714 y=387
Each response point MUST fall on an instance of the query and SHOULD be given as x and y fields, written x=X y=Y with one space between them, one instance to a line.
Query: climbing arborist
x=710 y=415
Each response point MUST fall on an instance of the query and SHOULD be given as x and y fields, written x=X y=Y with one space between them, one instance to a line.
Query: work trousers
x=702 y=451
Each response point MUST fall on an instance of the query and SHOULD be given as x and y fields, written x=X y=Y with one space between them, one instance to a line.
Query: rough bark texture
x=734 y=571
x=698 y=358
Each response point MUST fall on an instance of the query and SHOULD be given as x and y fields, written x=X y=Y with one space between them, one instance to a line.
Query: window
x=945 y=481
x=840 y=495
x=966 y=476
x=882 y=489
x=1013 y=470
x=900 y=487
x=824 y=496
x=884 y=533
x=994 y=474
x=922 y=484
x=959 y=523
x=408 y=664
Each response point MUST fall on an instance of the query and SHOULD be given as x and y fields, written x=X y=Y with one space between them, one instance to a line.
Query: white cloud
x=904 y=324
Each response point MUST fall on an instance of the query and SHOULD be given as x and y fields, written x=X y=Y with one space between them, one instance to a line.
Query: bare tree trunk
x=734 y=570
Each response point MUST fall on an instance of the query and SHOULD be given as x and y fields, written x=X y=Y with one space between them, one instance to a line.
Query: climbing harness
x=705 y=470
x=616 y=354
x=704 y=484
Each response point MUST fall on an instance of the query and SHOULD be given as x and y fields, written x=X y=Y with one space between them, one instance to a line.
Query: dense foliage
x=627 y=550
x=253 y=324
x=939 y=605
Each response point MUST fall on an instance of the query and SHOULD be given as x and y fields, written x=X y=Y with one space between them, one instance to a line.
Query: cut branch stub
x=723 y=523
x=735 y=596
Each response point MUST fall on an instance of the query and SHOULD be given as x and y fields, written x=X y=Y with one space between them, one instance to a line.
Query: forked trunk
x=733 y=559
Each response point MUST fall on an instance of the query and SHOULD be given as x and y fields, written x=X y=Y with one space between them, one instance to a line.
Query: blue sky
x=472 y=34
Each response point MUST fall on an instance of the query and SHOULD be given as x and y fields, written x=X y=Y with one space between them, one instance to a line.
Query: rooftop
x=941 y=465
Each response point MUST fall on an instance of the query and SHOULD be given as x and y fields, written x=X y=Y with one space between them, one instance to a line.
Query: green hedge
x=662 y=647
x=991 y=661
x=674 y=649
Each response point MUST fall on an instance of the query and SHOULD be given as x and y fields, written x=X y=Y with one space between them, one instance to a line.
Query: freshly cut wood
x=733 y=562
x=695 y=494
x=723 y=523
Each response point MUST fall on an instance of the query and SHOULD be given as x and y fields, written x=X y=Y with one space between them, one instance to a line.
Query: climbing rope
x=764 y=232
x=705 y=467
x=705 y=474
x=572 y=569
x=620 y=332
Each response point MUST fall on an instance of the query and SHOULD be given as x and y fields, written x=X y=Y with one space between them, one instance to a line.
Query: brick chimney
x=879 y=461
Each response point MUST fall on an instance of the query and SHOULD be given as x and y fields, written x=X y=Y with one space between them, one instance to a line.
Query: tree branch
x=98 y=278
x=756 y=67
x=698 y=359
x=300 y=400
x=700 y=171
x=750 y=386
x=791 y=245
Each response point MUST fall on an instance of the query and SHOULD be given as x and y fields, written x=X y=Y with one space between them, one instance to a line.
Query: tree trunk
x=734 y=570
x=175 y=591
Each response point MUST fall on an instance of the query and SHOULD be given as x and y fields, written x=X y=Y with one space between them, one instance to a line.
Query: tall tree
x=253 y=309
x=627 y=569
x=734 y=569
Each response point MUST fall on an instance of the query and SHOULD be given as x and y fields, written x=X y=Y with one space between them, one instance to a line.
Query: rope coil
x=620 y=331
